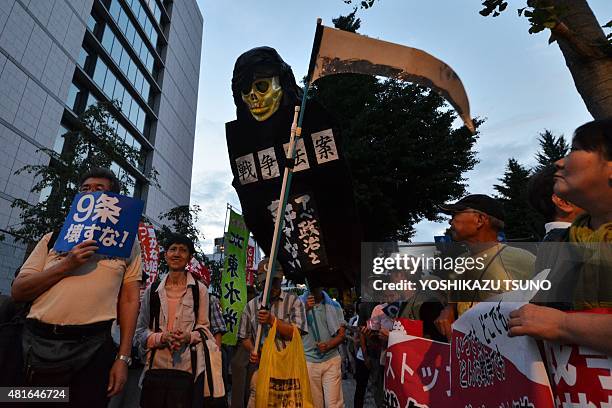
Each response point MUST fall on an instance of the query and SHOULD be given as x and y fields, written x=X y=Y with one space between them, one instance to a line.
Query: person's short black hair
x=540 y=191
x=101 y=172
x=595 y=136
x=176 y=238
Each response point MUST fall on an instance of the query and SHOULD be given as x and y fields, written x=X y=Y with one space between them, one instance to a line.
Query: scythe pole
x=296 y=133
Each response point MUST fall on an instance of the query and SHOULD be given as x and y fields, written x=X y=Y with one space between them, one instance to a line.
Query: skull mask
x=264 y=97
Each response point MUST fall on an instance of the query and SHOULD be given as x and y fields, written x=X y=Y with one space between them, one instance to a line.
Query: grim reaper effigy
x=320 y=238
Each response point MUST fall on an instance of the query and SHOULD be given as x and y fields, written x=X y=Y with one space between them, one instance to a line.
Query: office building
x=59 y=56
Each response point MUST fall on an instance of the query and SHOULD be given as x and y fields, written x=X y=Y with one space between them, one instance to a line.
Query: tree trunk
x=583 y=44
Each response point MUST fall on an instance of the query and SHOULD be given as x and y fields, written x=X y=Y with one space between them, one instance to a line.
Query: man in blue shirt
x=326 y=327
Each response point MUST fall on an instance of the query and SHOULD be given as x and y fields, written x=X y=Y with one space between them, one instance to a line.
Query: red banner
x=581 y=377
x=199 y=271
x=482 y=367
x=416 y=371
x=149 y=251
x=250 y=266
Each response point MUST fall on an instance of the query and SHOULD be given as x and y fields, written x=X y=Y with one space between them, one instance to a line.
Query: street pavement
x=130 y=397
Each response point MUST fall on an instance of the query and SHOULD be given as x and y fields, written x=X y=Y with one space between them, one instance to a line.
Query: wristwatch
x=127 y=359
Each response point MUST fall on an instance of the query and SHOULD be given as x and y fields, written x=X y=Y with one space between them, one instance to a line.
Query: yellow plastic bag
x=282 y=378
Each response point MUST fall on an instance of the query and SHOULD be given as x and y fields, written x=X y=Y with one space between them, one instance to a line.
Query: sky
x=516 y=81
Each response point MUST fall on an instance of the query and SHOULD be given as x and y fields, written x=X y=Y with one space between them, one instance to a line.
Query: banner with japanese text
x=233 y=280
x=580 y=376
x=149 y=248
x=250 y=266
x=417 y=370
x=491 y=369
x=108 y=218
x=199 y=271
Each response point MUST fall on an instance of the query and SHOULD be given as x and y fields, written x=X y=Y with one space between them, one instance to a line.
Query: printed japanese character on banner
x=232 y=265
x=154 y=254
x=232 y=294
x=90 y=230
x=309 y=235
x=74 y=233
x=306 y=211
x=427 y=373
x=108 y=237
x=290 y=215
x=268 y=163
x=325 y=146
x=301 y=158
x=236 y=240
x=246 y=169
x=598 y=361
x=230 y=316
x=106 y=209
x=292 y=250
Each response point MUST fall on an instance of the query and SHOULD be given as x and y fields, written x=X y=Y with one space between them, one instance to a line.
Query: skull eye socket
x=261 y=86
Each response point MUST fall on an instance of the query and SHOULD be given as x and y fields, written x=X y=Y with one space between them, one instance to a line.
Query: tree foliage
x=521 y=220
x=182 y=219
x=94 y=143
x=404 y=154
x=552 y=148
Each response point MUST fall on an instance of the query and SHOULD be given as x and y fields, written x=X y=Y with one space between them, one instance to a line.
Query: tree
x=551 y=149
x=182 y=219
x=404 y=155
x=94 y=143
x=522 y=222
x=584 y=45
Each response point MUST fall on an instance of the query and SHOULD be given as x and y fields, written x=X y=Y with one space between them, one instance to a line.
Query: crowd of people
x=175 y=327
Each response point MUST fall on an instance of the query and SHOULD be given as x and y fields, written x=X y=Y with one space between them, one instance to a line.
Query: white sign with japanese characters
x=247 y=173
x=301 y=158
x=325 y=146
x=268 y=163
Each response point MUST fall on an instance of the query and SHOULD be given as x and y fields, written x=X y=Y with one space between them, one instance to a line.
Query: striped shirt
x=217 y=323
x=287 y=308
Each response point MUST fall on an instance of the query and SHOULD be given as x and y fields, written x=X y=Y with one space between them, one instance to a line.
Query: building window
x=60 y=139
x=91 y=23
x=143 y=18
x=106 y=80
x=83 y=55
x=71 y=100
x=127 y=28
x=122 y=174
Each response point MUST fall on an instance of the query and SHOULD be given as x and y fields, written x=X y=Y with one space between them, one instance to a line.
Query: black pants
x=362 y=374
x=88 y=385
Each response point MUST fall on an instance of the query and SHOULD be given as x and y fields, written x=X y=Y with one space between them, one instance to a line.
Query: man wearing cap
x=476 y=221
x=285 y=309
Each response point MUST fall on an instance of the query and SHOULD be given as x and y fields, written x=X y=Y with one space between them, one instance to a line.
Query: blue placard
x=445 y=239
x=109 y=218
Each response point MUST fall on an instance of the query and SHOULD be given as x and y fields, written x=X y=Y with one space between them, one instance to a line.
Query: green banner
x=233 y=281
